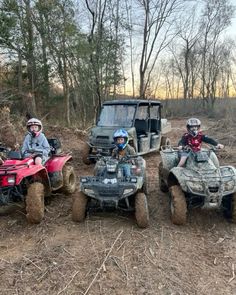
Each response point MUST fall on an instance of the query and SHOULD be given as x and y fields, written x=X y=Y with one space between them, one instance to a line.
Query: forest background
x=60 y=59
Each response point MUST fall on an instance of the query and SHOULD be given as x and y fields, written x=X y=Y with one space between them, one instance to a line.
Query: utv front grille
x=102 y=141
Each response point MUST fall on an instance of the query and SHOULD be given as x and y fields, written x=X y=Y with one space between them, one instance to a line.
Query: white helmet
x=34 y=121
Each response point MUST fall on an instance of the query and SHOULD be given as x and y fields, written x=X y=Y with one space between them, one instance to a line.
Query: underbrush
x=224 y=109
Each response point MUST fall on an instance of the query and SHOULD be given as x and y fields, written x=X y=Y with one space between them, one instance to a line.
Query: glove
x=33 y=133
x=220 y=146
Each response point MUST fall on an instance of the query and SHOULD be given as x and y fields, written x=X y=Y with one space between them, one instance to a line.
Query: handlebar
x=123 y=159
x=187 y=148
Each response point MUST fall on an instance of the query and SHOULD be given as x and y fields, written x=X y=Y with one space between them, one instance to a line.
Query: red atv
x=23 y=181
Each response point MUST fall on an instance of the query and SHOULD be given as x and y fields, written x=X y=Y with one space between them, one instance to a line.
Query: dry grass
x=109 y=254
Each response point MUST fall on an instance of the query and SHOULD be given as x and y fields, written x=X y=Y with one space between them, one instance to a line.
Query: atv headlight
x=128 y=191
x=89 y=191
x=133 y=179
x=195 y=186
x=83 y=180
x=229 y=185
x=11 y=180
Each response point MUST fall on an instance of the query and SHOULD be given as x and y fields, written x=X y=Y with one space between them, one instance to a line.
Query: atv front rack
x=7 y=168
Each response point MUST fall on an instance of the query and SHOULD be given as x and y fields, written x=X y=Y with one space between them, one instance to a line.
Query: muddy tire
x=79 y=207
x=69 y=179
x=233 y=208
x=229 y=207
x=163 y=187
x=165 y=141
x=35 y=203
x=141 y=210
x=85 y=154
x=145 y=184
x=178 y=205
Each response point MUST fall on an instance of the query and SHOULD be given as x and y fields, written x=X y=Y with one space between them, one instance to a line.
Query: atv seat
x=55 y=145
x=14 y=155
x=141 y=127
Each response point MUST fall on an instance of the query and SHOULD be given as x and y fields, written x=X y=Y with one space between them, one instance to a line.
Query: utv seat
x=141 y=127
x=154 y=126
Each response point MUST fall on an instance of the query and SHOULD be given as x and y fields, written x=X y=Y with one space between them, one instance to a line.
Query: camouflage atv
x=110 y=189
x=201 y=183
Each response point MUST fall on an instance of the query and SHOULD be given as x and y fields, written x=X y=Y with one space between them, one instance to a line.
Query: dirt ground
x=59 y=256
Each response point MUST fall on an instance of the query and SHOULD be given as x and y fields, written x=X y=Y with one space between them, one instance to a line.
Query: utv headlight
x=229 y=185
x=89 y=191
x=128 y=191
x=111 y=167
x=195 y=186
x=83 y=180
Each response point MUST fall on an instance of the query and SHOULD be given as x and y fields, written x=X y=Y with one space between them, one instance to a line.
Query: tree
x=105 y=44
x=185 y=54
x=216 y=17
x=156 y=35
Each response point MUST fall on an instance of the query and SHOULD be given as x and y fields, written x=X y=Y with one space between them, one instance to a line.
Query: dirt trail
x=62 y=257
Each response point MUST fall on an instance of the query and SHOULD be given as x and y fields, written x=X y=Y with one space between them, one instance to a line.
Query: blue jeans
x=126 y=169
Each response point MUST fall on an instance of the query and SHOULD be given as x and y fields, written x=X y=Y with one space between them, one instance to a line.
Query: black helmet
x=193 y=122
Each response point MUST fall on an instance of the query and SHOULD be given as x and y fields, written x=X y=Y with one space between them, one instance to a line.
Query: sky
x=232 y=30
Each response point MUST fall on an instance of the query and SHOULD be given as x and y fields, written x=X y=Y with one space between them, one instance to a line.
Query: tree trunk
x=19 y=71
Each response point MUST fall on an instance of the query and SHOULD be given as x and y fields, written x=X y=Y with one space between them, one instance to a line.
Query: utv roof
x=132 y=102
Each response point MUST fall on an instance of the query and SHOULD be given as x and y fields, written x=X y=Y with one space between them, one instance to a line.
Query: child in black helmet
x=194 y=138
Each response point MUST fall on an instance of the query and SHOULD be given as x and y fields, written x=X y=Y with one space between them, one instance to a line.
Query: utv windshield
x=116 y=116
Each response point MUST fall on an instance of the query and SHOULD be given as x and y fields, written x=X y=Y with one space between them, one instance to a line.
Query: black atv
x=109 y=188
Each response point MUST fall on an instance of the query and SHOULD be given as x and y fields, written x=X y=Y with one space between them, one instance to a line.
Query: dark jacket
x=127 y=151
x=195 y=143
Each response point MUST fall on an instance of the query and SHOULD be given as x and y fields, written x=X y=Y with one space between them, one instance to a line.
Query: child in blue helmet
x=122 y=149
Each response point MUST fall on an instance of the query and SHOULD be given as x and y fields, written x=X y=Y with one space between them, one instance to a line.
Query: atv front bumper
x=10 y=194
x=110 y=193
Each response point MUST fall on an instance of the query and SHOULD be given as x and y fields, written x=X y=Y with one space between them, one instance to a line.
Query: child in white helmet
x=35 y=142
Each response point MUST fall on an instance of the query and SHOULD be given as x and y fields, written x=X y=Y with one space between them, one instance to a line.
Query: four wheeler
x=22 y=180
x=140 y=118
x=201 y=183
x=109 y=188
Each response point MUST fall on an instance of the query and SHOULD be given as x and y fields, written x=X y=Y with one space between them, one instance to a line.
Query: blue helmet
x=121 y=133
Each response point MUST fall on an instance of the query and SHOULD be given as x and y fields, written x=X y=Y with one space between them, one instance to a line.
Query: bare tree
x=156 y=35
x=128 y=5
x=216 y=17
x=184 y=52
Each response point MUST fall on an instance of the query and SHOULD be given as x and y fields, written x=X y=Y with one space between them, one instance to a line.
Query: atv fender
x=54 y=167
x=38 y=173
x=169 y=159
x=175 y=177
x=56 y=163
